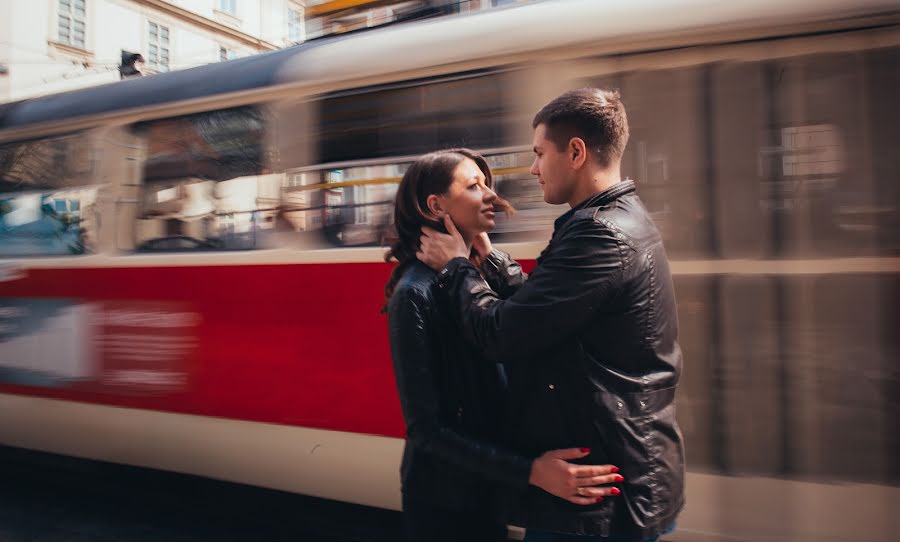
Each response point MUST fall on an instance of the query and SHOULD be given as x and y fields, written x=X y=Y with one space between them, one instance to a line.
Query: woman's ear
x=435 y=207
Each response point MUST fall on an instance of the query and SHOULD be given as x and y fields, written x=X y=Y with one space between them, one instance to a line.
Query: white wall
x=32 y=71
x=274 y=21
x=37 y=68
x=246 y=18
x=5 y=46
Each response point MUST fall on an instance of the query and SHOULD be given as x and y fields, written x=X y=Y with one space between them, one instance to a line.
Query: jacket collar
x=600 y=198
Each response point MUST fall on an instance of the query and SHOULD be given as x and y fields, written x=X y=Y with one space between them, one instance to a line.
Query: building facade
x=49 y=46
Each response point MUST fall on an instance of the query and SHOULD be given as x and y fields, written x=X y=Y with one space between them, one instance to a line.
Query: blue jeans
x=543 y=536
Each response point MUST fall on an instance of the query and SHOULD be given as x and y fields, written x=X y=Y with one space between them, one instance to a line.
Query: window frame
x=296 y=28
x=227 y=6
x=157 y=66
x=73 y=18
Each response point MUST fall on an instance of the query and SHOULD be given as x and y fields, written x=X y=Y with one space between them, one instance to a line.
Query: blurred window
x=666 y=153
x=787 y=158
x=353 y=205
x=204 y=182
x=228 y=6
x=471 y=110
x=48 y=193
x=158 y=47
x=359 y=202
x=71 y=16
x=804 y=155
x=295 y=23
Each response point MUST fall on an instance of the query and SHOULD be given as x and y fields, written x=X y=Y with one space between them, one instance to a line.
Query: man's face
x=552 y=168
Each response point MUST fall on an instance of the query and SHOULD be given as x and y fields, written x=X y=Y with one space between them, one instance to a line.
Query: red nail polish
x=618 y=478
x=585 y=450
x=614 y=469
x=615 y=491
x=599 y=499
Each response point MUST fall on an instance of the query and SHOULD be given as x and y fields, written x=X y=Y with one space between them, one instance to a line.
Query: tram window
x=881 y=66
x=351 y=206
x=356 y=203
x=47 y=197
x=738 y=112
x=839 y=351
x=205 y=186
x=699 y=402
x=749 y=368
x=804 y=155
x=472 y=111
x=816 y=357
x=665 y=154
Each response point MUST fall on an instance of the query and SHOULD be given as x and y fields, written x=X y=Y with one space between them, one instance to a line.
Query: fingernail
x=614 y=469
x=618 y=478
x=615 y=491
x=585 y=450
x=599 y=499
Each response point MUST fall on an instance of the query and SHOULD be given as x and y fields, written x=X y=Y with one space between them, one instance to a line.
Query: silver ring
x=578 y=491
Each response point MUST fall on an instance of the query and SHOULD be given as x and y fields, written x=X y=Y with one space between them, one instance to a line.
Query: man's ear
x=577 y=152
x=435 y=206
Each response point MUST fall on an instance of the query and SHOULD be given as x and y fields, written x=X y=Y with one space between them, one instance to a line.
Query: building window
x=158 y=47
x=226 y=54
x=71 y=16
x=228 y=6
x=295 y=24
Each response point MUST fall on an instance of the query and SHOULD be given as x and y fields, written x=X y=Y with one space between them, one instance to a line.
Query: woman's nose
x=489 y=194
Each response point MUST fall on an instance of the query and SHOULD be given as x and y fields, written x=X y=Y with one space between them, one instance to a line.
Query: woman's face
x=468 y=201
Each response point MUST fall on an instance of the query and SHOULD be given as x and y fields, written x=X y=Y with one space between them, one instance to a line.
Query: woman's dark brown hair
x=430 y=174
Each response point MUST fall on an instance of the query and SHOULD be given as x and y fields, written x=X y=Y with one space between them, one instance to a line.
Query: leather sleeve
x=413 y=361
x=575 y=275
x=503 y=274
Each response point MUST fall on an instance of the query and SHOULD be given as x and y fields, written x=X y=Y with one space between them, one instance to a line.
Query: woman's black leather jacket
x=451 y=398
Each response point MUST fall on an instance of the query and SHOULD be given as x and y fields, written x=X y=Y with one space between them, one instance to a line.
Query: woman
x=451 y=397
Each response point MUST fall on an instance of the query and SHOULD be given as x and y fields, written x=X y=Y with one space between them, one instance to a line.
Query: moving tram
x=191 y=267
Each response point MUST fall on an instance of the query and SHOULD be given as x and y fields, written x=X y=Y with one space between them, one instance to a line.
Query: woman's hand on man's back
x=579 y=484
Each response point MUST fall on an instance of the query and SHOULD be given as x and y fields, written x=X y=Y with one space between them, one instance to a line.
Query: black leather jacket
x=589 y=343
x=451 y=399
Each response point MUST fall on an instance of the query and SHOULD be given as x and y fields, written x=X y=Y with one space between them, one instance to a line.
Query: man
x=589 y=338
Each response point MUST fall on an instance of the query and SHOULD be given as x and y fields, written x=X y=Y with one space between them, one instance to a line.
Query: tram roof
x=236 y=75
x=565 y=25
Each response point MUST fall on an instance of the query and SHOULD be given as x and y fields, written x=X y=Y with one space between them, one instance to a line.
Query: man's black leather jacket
x=451 y=399
x=589 y=344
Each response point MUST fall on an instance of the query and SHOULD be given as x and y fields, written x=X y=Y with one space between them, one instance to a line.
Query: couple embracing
x=542 y=400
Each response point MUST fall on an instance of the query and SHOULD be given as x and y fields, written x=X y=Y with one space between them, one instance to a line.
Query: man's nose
x=534 y=168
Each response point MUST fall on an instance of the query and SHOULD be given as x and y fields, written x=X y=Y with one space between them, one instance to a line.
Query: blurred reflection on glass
x=474 y=110
x=204 y=187
x=48 y=194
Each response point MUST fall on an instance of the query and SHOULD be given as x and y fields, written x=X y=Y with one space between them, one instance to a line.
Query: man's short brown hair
x=596 y=116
